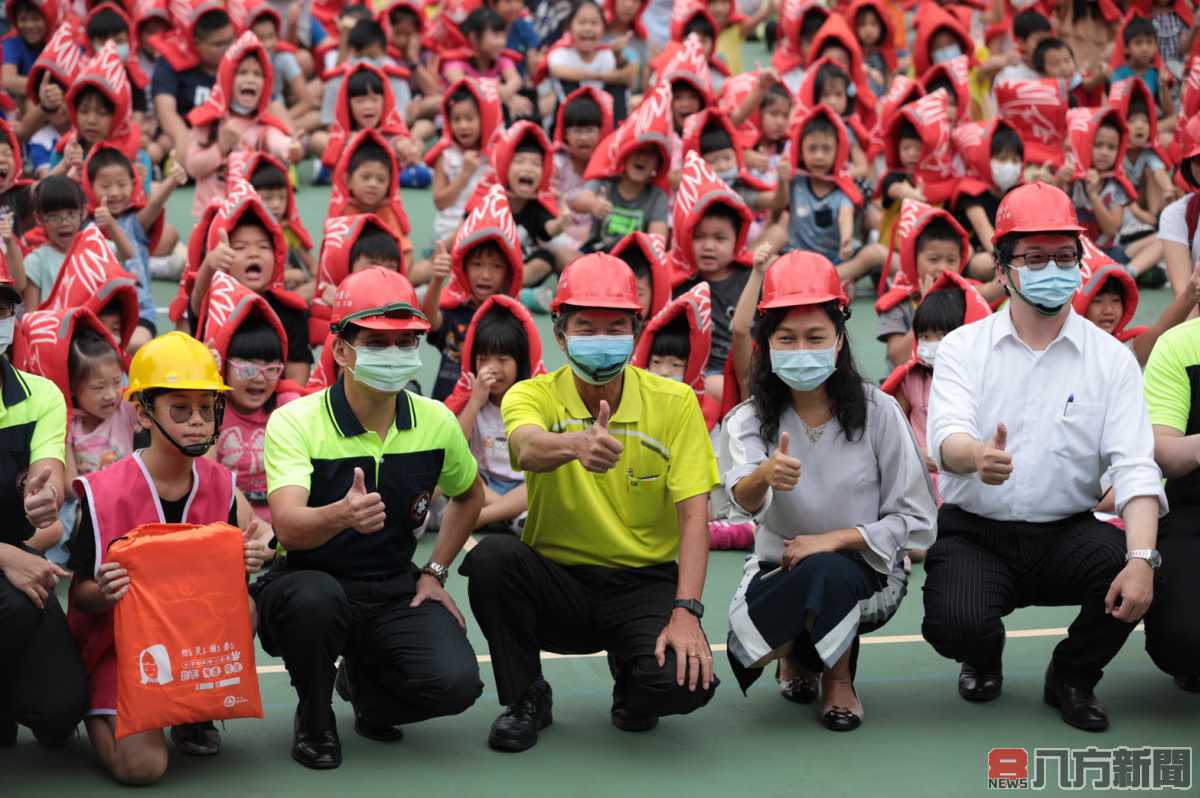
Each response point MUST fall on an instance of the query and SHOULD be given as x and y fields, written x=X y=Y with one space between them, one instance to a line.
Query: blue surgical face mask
x=728 y=175
x=947 y=53
x=123 y=51
x=241 y=110
x=804 y=369
x=598 y=359
x=1075 y=82
x=386 y=369
x=7 y=327
x=1050 y=287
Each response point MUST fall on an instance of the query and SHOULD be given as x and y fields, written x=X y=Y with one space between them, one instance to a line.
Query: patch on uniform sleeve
x=420 y=508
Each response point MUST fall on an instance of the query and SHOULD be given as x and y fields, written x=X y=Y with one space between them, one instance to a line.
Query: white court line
x=873 y=640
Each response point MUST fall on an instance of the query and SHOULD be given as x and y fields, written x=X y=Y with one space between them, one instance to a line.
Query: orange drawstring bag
x=184 y=646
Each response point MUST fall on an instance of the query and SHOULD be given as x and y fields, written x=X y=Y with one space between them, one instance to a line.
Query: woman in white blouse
x=829 y=468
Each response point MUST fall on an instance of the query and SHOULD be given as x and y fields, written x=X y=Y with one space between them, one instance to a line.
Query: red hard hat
x=801 y=278
x=1035 y=208
x=377 y=299
x=1189 y=139
x=597 y=281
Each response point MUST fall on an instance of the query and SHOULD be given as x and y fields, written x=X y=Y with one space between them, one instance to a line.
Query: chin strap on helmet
x=194 y=449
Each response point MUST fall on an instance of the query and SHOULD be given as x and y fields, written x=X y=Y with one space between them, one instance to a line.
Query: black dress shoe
x=840 y=719
x=803 y=688
x=321 y=750
x=1189 y=683
x=622 y=716
x=977 y=684
x=372 y=730
x=1078 y=705
x=517 y=727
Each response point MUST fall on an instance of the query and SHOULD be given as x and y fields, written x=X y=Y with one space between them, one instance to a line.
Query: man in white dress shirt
x=1028 y=409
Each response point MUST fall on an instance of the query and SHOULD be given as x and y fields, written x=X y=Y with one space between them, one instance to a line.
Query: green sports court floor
x=919 y=737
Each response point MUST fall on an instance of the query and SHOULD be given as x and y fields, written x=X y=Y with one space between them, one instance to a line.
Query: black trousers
x=406 y=664
x=525 y=603
x=980 y=570
x=1173 y=624
x=43 y=685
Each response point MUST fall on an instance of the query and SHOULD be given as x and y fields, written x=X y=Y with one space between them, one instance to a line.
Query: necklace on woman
x=814 y=433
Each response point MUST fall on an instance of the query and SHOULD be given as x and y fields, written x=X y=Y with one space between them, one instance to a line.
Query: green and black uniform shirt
x=316 y=442
x=33 y=427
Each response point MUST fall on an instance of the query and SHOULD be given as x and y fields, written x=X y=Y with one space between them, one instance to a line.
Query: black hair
x=1111 y=285
x=461 y=95
x=105 y=157
x=673 y=340
x=256 y=339
x=723 y=210
x=399 y=13
x=369 y=152
x=481 y=20
x=812 y=21
x=530 y=143
x=363 y=82
x=818 y=124
x=1137 y=105
x=500 y=333
x=376 y=244
x=210 y=22
x=830 y=73
x=87 y=350
x=365 y=33
x=485 y=247
x=940 y=311
x=93 y=91
x=114 y=307
x=24 y=5
x=943 y=82
x=940 y=229
x=58 y=193
x=1005 y=139
x=883 y=27
x=1139 y=26
x=1112 y=124
x=1005 y=246
x=776 y=91
x=636 y=259
x=771 y=395
x=582 y=4
x=1029 y=22
x=713 y=138
x=908 y=130
x=582 y=112
x=356 y=11
x=699 y=23
x=1044 y=48
x=105 y=24
x=268 y=176
x=252 y=218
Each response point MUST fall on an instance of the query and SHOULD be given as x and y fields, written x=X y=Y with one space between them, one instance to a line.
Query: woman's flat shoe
x=840 y=719
x=800 y=689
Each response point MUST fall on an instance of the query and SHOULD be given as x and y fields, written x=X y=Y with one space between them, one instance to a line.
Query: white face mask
x=386 y=369
x=947 y=53
x=1006 y=174
x=6 y=331
x=241 y=110
x=927 y=352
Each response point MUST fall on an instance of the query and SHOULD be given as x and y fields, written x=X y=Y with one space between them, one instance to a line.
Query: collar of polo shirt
x=14 y=390
x=348 y=424
x=627 y=412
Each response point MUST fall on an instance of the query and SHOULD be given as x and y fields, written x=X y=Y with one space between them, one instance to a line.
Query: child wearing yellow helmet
x=179 y=393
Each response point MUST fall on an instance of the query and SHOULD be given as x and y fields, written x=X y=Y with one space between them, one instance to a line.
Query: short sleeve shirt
x=813 y=224
x=316 y=442
x=628 y=216
x=1172 y=385
x=33 y=427
x=626 y=517
x=18 y=52
x=190 y=88
x=1172 y=226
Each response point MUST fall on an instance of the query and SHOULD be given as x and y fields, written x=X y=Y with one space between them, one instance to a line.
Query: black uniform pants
x=525 y=603
x=42 y=681
x=1173 y=622
x=406 y=664
x=980 y=570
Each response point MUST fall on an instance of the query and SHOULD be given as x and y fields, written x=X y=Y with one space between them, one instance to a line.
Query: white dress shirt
x=1073 y=411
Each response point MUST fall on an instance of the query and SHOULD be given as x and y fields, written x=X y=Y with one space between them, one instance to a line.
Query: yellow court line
x=873 y=640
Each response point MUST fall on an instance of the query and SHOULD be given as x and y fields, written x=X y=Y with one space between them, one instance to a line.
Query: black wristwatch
x=691 y=605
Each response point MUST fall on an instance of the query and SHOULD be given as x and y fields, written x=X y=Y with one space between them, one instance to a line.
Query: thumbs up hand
x=362 y=511
x=598 y=451
x=442 y=262
x=50 y=94
x=255 y=546
x=783 y=470
x=992 y=462
x=220 y=258
x=41 y=500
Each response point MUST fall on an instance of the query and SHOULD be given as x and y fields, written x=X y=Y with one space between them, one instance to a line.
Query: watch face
x=1155 y=559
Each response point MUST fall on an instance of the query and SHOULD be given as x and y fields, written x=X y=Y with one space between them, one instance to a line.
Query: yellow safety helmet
x=174 y=362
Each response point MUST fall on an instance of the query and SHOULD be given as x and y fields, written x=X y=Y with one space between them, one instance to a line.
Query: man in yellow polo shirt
x=618 y=467
x=350 y=474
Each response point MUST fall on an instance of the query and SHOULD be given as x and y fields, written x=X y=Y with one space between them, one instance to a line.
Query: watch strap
x=691 y=605
x=437 y=571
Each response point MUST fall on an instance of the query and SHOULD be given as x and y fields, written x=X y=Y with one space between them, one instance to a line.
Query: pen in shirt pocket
x=1070 y=401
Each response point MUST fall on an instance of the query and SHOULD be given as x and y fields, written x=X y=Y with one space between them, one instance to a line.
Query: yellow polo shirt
x=626 y=517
